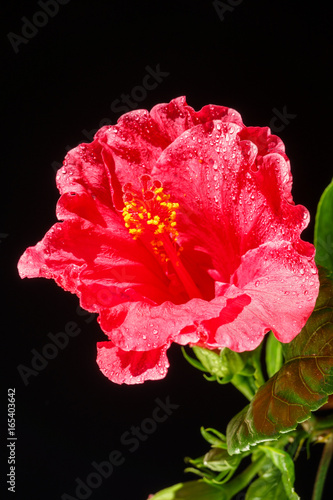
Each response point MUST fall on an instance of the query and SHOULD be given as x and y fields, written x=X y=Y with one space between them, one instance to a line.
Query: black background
x=262 y=57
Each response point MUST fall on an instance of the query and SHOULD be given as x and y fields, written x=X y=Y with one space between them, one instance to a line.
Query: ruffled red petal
x=131 y=367
x=237 y=223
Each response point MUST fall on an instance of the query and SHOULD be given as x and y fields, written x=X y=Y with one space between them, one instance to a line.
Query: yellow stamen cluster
x=150 y=212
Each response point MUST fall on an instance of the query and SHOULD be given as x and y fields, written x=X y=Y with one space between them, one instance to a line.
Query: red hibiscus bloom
x=179 y=226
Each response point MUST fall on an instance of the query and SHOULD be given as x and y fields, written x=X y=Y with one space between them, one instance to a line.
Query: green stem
x=243 y=384
x=323 y=469
x=258 y=376
x=240 y=482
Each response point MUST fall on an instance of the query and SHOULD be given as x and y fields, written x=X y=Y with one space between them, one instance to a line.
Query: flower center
x=149 y=213
x=149 y=210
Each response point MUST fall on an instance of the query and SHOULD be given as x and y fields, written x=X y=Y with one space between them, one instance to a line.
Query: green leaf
x=283 y=462
x=234 y=363
x=219 y=460
x=268 y=487
x=276 y=479
x=274 y=355
x=216 y=460
x=214 y=437
x=193 y=490
x=243 y=369
x=323 y=232
x=193 y=362
x=210 y=360
x=224 y=364
x=302 y=384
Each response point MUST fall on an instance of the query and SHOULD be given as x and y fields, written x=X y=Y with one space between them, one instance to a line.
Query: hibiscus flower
x=179 y=226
